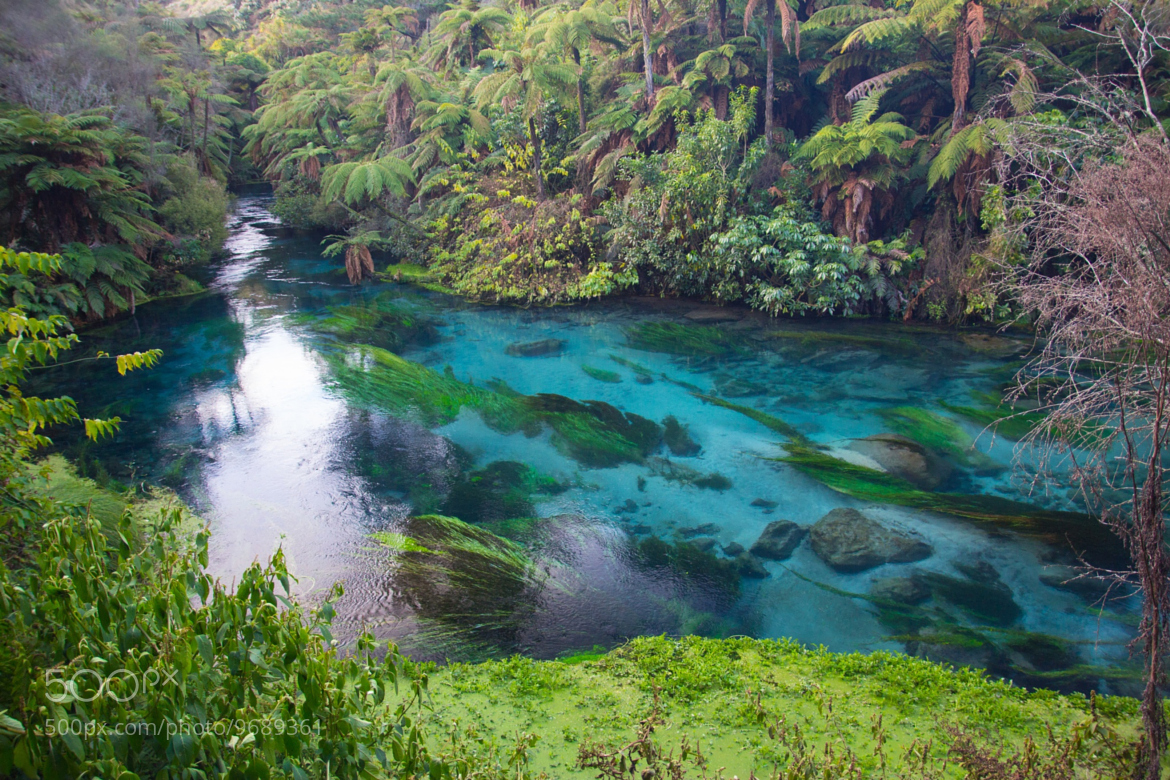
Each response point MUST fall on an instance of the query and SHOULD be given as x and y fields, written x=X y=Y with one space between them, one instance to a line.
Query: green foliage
x=514 y=250
x=197 y=208
x=71 y=178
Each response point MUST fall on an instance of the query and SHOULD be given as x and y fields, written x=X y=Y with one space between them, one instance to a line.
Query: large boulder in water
x=778 y=540
x=905 y=458
x=850 y=542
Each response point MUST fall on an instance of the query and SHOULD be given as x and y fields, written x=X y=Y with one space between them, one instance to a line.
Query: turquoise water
x=247 y=419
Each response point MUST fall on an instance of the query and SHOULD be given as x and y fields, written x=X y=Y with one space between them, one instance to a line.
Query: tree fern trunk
x=770 y=77
x=648 y=62
x=536 y=159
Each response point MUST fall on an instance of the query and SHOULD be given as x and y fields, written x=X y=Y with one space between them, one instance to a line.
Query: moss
x=685 y=340
x=601 y=375
x=1087 y=535
x=410 y=273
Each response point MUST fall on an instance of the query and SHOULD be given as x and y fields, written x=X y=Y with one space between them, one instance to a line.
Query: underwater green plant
x=601 y=375
x=770 y=421
x=809 y=339
x=685 y=340
x=678 y=438
x=936 y=432
x=379 y=324
x=1087 y=536
x=594 y=433
x=500 y=490
x=689 y=562
x=644 y=375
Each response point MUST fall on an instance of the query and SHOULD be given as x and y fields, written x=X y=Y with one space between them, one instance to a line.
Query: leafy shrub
x=197 y=206
x=515 y=249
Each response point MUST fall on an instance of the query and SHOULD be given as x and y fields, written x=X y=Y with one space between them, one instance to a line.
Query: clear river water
x=281 y=414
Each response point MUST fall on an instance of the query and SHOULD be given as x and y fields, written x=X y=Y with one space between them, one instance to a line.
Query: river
x=281 y=429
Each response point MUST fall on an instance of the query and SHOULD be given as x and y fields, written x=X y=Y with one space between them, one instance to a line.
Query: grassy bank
x=760 y=706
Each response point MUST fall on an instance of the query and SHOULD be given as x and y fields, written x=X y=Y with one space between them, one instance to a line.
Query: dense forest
x=817 y=157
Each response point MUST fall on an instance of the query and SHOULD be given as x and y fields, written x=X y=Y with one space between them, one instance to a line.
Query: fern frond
x=883 y=80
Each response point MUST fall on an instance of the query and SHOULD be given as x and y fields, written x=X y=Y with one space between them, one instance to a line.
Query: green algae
x=453 y=572
x=601 y=375
x=936 y=432
x=683 y=340
x=1086 y=535
x=411 y=273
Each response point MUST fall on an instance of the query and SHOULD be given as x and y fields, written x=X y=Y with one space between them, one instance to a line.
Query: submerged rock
x=706 y=543
x=733 y=549
x=778 y=540
x=903 y=457
x=541 y=348
x=850 y=542
x=904 y=590
x=678 y=438
x=713 y=314
x=706 y=529
x=751 y=567
x=1072 y=579
x=764 y=503
x=734 y=387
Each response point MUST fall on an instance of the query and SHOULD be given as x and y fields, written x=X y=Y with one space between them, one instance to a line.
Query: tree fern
x=882 y=80
x=876 y=31
x=354 y=182
x=841 y=15
x=850 y=59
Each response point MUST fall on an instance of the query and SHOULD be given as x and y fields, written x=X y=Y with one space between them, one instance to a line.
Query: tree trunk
x=647 y=60
x=536 y=159
x=581 y=123
x=206 y=121
x=720 y=100
x=722 y=6
x=770 y=77
x=961 y=71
